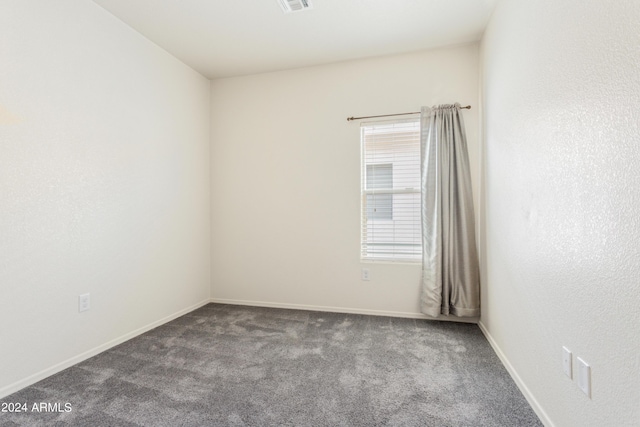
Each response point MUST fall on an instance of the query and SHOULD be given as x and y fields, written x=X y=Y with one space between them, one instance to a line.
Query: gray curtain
x=450 y=271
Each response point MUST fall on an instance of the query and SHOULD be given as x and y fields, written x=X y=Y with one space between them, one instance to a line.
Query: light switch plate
x=584 y=377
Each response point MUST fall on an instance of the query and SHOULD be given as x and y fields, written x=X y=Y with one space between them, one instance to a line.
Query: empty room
x=320 y=213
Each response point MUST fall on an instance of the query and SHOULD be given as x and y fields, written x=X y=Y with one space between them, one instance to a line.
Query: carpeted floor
x=224 y=365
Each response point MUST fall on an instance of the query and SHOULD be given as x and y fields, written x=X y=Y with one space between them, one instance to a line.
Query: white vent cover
x=289 y=6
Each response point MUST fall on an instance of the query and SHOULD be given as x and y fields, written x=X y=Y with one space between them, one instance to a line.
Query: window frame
x=391 y=250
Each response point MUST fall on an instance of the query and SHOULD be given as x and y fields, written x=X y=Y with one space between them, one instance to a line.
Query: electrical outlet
x=84 y=302
x=567 y=365
x=365 y=274
x=584 y=377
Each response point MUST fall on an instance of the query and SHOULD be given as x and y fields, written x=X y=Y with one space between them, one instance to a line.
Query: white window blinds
x=390 y=195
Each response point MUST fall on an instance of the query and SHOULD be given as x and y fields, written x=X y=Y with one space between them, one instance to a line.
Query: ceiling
x=222 y=38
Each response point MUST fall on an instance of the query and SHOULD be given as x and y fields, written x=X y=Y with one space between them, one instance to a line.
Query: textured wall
x=104 y=183
x=561 y=87
x=286 y=177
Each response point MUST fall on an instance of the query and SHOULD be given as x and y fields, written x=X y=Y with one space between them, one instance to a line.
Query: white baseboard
x=348 y=310
x=544 y=418
x=32 y=379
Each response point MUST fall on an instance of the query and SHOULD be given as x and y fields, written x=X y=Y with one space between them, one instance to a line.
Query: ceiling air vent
x=289 y=6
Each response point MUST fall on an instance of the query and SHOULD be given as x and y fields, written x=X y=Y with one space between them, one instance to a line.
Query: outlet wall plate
x=365 y=274
x=84 y=302
x=567 y=365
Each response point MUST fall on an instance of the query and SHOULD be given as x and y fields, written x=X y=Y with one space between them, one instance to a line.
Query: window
x=390 y=192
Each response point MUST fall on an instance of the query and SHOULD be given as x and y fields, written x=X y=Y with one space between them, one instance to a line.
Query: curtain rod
x=468 y=107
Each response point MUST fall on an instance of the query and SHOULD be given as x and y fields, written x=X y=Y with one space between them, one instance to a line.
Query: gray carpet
x=224 y=365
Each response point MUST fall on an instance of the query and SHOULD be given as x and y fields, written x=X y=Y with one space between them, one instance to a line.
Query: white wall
x=104 y=185
x=561 y=86
x=286 y=178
